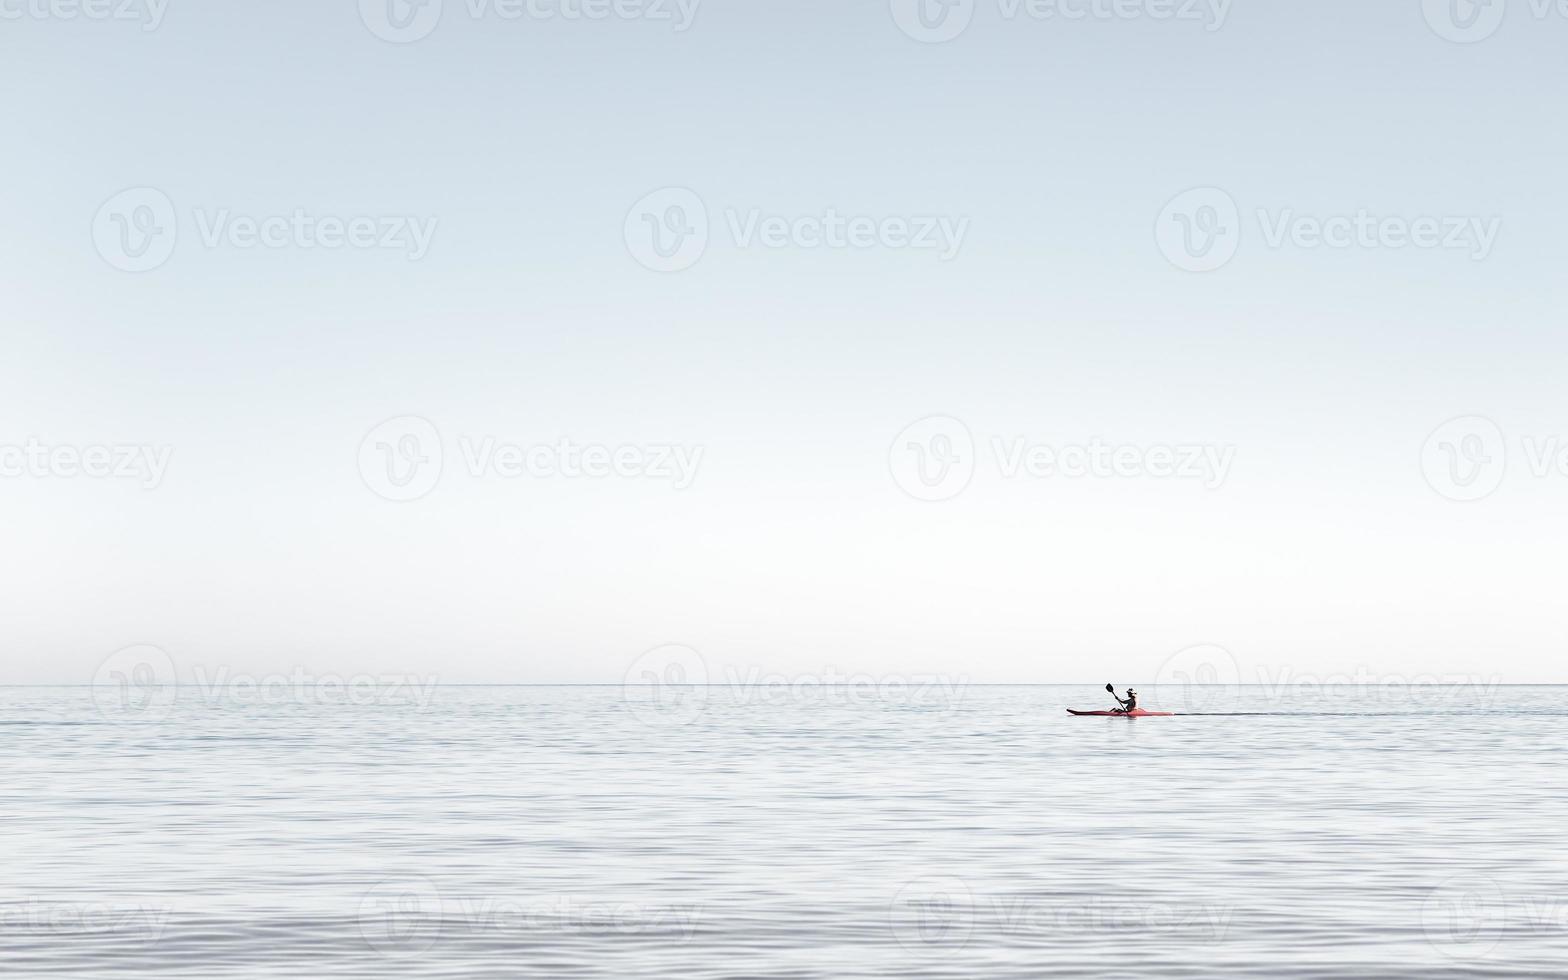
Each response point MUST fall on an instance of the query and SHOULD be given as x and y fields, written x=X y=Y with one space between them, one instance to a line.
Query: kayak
x=1134 y=713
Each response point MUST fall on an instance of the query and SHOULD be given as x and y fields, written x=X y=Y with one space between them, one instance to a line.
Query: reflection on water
x=565 y=832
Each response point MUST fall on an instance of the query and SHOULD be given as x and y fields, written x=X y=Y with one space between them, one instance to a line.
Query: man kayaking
x=1129 y=707
x=1130 y=703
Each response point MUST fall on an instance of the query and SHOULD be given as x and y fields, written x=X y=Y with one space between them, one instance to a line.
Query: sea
x=788 y=832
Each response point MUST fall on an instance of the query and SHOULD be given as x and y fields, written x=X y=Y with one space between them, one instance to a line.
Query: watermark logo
x=1097 y=459
x=129 y=922
x=300 y=229
x=148 y=13
x=406 y=917
x=401 y=917
x=666 y=687
x=1469 y=458
x=1464 y=917
x=142 y=683
x=934 y=459
x=1367 y=685
x=933 y=912
x=564 y=458
x=1212 y=14
x=1465 y=459
x=144 y=464
x=1196 y=679
x=1546 y=456
x=933 y=21
x=832 y=687
x=1472 y=234
x=400 y=21
x=671 y=686
x=940 y=234
x=300 y=686
x=1469 y=21
x=1199 y=230
x=401 y=459
x=1464 y=21
x=136 y=230
x=940 y=913
x=405 y=21
x=936 y=21
x=667 y=231
x=1208 y=679
x=136 y=684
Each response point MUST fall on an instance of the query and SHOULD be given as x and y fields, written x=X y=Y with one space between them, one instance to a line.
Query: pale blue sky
x=1059 y=321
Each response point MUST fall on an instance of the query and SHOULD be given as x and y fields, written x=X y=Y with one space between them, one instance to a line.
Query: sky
x=506 y=342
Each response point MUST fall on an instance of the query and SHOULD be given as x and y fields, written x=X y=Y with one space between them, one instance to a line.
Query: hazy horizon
x=788 y=334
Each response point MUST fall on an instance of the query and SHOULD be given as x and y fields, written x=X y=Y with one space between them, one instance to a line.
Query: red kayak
x=1134 y=713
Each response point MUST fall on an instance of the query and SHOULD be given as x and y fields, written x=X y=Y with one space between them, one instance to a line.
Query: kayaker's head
x=1131 y=691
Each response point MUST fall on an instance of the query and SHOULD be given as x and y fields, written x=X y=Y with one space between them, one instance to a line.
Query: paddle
x=1112 y=691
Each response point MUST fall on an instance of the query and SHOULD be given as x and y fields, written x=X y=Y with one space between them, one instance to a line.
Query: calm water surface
x=570 y=832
